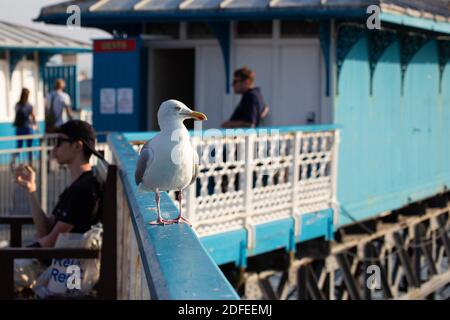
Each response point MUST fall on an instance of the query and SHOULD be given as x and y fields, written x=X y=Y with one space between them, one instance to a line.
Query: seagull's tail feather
x=142 y=189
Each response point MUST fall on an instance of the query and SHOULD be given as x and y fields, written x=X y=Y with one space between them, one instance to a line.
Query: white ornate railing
x=261 y=176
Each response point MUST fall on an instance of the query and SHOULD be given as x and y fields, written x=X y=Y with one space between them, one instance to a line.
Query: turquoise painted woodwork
x=232 y=246
x=393 y=147
x=350 y=105
x=444 y=106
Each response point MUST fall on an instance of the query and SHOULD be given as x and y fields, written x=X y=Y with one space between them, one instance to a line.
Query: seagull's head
x=176 y=112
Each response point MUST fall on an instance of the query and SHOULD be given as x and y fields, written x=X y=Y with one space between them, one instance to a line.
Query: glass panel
x=199 y=30
x=163 y=29
x=292 y=29
x=254 y=29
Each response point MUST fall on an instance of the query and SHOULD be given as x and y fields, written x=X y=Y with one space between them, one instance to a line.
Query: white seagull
x=167 y=162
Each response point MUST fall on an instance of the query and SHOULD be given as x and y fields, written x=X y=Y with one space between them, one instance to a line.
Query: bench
x=106 y=288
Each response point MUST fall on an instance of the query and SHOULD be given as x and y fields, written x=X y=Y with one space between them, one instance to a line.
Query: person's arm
x=265 y=111
x=237 y=124
x=68 y=106
x=26 y=178
x=34 y=120
x=49 y=240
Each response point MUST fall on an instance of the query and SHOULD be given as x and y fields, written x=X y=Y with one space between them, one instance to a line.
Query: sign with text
x=107 y=101
x=125 y=100
x=114 y=45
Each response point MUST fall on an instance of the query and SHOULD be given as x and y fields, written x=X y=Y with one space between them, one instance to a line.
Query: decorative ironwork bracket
x=348 y=36
x=379 y=41
x=409 y=46
x=444 y=57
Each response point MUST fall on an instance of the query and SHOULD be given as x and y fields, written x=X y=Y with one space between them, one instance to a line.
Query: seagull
x=168 y=161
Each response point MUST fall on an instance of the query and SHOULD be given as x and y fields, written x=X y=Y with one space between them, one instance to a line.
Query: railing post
x=248 y=187
x=43 y=169
x=191 y=191
x=295 y=179
x=334 y=176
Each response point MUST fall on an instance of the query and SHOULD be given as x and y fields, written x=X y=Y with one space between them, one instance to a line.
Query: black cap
x=80 y=130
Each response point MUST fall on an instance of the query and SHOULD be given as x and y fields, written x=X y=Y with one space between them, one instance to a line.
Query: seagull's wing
x=145 y=158
x=195 y=168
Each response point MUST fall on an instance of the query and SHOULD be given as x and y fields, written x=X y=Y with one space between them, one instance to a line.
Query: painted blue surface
x=227 y=247
x=232 y=246
x=8 y=130
x=222 y=32
x=415 y=22
x=315 y=225
x=444 y=107
x=272 y=236
x=176 y=264
x=392 y=146
x=113 y=70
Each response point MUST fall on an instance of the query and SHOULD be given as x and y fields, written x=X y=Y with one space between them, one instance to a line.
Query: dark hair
x=60 y=83
x=24 y=97
x=81 y=130
x=245 y=73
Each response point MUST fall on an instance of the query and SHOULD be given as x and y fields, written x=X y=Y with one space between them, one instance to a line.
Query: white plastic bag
x=26 y=272
x=72 y=277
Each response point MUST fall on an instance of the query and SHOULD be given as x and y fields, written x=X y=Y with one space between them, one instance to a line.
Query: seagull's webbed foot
x=161 y=221
x=180 y=219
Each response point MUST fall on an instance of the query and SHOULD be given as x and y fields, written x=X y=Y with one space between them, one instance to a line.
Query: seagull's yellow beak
x=198 y=116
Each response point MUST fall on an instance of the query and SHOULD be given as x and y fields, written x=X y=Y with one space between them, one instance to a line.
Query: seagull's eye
x=178 y=108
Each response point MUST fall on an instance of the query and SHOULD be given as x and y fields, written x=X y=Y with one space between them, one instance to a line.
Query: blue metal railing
x=175 y=263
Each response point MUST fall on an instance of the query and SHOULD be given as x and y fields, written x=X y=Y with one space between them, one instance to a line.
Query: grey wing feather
x=145 y=158
x=196 y=168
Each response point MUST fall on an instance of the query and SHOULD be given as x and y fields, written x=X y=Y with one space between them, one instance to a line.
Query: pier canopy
x=18 y=37
x=430 y=15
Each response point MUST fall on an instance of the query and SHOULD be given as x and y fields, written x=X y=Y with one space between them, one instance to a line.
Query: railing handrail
x=41 y=136
x=136 y=136
x=175 y=263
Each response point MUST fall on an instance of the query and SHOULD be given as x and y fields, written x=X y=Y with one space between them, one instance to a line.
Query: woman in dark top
x=24 y=121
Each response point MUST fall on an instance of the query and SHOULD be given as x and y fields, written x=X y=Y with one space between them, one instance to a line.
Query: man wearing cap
x=77 y=206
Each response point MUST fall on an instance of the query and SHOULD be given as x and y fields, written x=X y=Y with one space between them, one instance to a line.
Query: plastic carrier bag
x=26 y=272
x=71 y=277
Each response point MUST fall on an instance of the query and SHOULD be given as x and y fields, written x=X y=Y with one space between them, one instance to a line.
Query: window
x=199 y=30
x=295 y=29
x=163 y=29
x=254 y=29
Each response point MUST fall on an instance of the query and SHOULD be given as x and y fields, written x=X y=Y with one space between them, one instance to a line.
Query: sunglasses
x=60 y=140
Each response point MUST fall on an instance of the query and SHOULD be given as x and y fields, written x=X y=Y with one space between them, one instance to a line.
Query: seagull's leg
x=158 y=209
x=180 y=217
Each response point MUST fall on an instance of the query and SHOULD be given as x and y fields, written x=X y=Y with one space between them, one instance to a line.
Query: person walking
x=58 y=109
x=25 y=123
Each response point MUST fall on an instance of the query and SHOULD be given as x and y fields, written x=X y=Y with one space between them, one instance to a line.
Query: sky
x=24 y=11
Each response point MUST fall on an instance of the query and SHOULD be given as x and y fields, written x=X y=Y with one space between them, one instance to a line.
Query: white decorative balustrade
x=260 y=176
